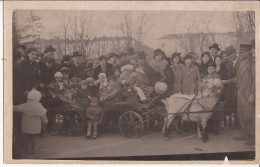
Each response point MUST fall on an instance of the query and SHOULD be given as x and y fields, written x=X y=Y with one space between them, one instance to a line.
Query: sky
x=107 y=23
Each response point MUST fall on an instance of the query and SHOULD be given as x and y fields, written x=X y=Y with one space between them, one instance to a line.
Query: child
x=94 y=116
x=92 y=87
x=34 y=115
x=58 y=88
x=127 y=79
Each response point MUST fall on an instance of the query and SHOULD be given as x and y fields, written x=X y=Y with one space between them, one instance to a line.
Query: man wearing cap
x=48 y=70
x=245 y=82
x=213 y=50
x=49 y=51
x=77 y=67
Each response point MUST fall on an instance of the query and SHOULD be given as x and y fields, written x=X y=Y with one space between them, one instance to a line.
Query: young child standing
x=33 y=116
x=94 y=115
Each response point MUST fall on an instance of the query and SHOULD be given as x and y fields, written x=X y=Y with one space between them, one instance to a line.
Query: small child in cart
x=94 y=116
x=34 y=115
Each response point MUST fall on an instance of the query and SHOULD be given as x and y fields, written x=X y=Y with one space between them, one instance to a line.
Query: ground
x=152 y=142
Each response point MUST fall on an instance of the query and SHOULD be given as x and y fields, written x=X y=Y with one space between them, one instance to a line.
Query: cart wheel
x=68 y=120
x=131 y=124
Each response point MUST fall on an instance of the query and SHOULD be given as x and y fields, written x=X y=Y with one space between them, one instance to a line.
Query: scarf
x=158 y=66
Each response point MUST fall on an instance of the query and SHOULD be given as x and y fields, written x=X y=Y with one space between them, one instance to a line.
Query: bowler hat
x=130 y=51
x=212 y=64
x=160 y=87
x=215 y=45
x=244 y=47
x=76 y=54
x=49 y=48
x=175 y=54
x=230 y=50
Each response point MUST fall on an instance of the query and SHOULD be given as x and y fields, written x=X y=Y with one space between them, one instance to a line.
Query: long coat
x=190 y=80
x=245 y=81
x=76 y=71
x=177 y=71
x=30 y=74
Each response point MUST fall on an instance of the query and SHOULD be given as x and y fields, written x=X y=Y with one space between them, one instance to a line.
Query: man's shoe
x=241 y=137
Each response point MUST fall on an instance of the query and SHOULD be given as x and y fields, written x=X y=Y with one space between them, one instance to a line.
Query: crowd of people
x=98 y=83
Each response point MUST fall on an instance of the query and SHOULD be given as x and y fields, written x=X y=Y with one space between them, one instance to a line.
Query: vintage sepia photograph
x=133 y=85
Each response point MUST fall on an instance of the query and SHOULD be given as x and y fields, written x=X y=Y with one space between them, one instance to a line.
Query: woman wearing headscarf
x=177 y=69
x=159 y=71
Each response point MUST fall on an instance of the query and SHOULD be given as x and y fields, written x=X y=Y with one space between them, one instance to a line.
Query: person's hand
x=251 y=99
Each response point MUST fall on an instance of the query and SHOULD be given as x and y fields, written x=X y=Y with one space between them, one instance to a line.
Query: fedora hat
x=160 y=87
x=230 y=50
x=49 y=48
x=214 y=45
x=76 y=54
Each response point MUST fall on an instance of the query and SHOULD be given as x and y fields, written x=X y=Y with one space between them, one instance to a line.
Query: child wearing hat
x=33 y=116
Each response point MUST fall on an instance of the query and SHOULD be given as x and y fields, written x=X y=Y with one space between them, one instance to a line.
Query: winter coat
x=142 y=81
x=34 y=114
x=47 y=75
x=30 y=74
x=94 y=113
x=190 y=80
x=222 y=72
x=76 y=71
x=177 y=71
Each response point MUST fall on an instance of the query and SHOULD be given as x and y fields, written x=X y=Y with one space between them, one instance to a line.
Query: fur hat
x=65 y=70
x=34 y=95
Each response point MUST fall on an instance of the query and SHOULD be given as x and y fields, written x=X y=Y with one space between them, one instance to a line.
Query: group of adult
x=236 y=67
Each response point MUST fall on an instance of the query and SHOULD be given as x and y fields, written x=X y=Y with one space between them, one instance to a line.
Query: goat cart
x=133 y=117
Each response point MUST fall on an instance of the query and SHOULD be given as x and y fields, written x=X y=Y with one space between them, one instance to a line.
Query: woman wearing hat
x=159 y=70
x=177 y=69
x=190 y=77
x=213 y=50
x=205 y=60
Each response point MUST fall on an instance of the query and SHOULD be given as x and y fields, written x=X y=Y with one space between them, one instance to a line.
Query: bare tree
x=65 y=26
